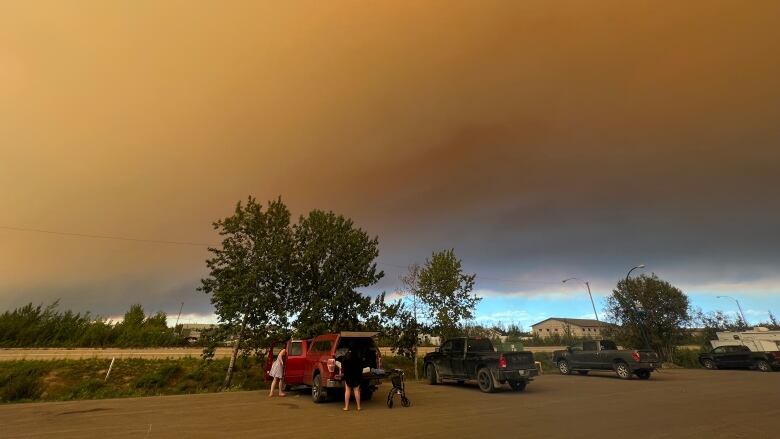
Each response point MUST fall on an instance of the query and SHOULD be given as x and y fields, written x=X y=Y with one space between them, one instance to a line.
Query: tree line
x=48 y=326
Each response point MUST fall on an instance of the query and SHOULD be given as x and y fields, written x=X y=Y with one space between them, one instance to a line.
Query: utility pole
x=592 y=303
x=738 y=306
x=177 y=317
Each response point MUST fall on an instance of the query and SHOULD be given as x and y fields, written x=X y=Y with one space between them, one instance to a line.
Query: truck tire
x=485 y=381
x=622 y=370
x=433 y=376
x=318 y=392
x=563 y=367
x=643 y=374
x=518 y=386
x=763 y=366
x=709 y=364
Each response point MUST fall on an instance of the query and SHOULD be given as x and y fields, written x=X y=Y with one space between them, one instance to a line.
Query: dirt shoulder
x=673 y=404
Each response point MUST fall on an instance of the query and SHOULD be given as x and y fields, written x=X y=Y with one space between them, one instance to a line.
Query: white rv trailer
x=759 y=339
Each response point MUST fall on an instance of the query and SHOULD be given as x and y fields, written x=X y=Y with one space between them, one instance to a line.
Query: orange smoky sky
x=539 y=139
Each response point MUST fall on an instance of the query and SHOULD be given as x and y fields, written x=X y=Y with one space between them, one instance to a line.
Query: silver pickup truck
x=605 y=355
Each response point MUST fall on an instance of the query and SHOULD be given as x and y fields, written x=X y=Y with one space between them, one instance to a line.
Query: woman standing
x=277 y=372
x=352 y=369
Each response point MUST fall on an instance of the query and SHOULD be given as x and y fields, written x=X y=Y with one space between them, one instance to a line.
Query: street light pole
x=587 y=284
x=636 y=313
x=738 y=306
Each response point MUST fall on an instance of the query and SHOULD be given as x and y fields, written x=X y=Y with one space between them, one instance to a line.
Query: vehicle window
x=480 y=345
x=744 y=349
x=457 y=346
x=322 y=346
x=296 y=348
x=607 y=345
x=577 y=347
x=718 y=350
x=589 y=346
x=446 y=348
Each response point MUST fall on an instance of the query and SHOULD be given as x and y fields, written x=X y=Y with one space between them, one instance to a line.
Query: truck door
x=458 y=357
x=296 y=361
x=586 y=358
x=719 y=356
x=442 y=361
x=739 y=356
x=605 y=354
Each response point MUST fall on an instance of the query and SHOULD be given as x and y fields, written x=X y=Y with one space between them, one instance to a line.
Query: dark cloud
x=538 y=140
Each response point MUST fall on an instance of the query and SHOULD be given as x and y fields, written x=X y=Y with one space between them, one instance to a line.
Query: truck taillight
x=331 y=365
x=635 y=356
x=502 y=362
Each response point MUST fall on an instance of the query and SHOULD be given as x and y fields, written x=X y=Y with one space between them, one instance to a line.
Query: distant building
x=192 y=331
x=562 y=326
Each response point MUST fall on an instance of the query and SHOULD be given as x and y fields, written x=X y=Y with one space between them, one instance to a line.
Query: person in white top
x=277 y=372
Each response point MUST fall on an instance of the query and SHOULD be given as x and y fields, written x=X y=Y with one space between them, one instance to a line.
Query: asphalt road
x=672 y=404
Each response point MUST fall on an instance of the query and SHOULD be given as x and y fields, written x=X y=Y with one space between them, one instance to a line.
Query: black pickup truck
x=472 y=358
x=605 y=355
x=739 y=356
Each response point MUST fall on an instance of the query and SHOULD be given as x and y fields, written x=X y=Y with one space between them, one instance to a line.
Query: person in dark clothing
x=352 y=371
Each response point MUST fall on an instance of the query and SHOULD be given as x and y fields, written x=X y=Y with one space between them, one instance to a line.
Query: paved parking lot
x=673 y=404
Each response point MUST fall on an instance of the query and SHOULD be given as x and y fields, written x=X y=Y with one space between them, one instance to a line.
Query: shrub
x=20 y=383
x=159 y=378
x=688 y=358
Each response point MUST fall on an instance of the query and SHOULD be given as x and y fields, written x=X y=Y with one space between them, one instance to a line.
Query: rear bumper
x=645 y=365
x=336 y=384
x=517 y=375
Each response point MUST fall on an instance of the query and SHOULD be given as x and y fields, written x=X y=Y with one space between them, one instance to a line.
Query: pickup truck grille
x=519 y=360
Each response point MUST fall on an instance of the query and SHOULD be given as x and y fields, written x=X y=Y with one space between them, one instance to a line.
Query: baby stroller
x=397 y=377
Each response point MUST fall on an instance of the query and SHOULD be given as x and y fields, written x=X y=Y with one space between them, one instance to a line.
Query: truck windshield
x=480 y=345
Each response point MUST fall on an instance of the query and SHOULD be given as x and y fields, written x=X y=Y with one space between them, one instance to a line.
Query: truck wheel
x=763 y=366
x=518 y=386
x=433 y=376
x=622 y=370
x=318 y=393
x=643 y=374
x=485 y=381
x=563 y=366
x=709 y=364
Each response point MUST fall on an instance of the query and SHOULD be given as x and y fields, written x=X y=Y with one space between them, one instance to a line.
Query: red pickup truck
x=314 y=363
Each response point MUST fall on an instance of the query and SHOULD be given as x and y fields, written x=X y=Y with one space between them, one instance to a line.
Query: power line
x=113 y=237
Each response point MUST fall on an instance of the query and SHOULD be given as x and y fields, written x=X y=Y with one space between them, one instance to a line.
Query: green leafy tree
x=333 y=259
x=445 y=295
x=649 y=312
x=250 y=278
